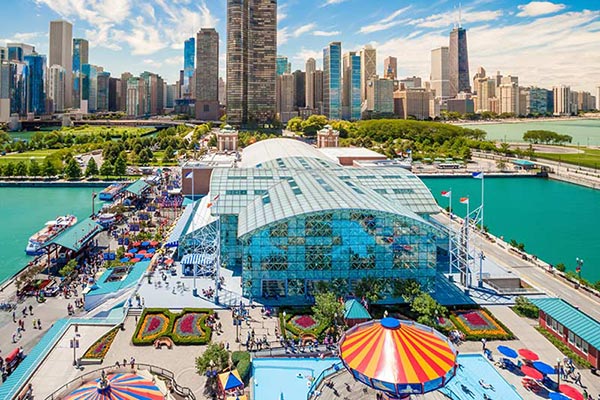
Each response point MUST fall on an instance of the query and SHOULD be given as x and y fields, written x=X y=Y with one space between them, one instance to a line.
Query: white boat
x=50 y=230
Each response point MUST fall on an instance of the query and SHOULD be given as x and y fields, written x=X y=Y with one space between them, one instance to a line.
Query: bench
x=163 y=341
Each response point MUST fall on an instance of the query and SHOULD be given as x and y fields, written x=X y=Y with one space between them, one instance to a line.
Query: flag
x=216 y=197
x=477 y=175
x=189 y=175
x=446 y=193
x=213 y=201
x=464 y=200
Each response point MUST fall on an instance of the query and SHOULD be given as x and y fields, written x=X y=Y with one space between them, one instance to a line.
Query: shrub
x=238 y=356
x=563 y=348
x=100 y=347
x=525 y=308
x=289 y=327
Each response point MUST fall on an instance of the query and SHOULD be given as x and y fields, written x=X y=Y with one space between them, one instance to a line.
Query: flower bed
x=477 y=324
x=298 y=325
x=98 y=350
x=187 y=327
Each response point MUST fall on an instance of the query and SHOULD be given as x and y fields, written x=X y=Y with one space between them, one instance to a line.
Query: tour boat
x=109 y=193
x=50 y=230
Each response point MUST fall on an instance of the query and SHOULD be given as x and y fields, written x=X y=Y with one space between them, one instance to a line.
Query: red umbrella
x=528 y=355
x=571 y=392
x=153 y=243
x=532 y=372
x=169 y=261
x=142 y=252
x=129 y=255
x=137 y=244
x=135 y=260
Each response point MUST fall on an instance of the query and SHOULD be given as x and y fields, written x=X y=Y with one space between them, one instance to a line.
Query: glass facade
x=34 y=76
x=332 y=80
x=89 y=86
x=189 y=56
x=283 y=66
x=355 y=100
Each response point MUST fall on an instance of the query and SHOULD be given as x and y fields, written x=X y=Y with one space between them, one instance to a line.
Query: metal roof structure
x=180 y=226
x=77 y=236
x=354 y=310
x=571 y=318
x=270 y=149
x=138 y=187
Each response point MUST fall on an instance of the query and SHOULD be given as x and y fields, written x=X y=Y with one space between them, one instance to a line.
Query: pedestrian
x=30 y=309
x=13 y=338
x=483 y=343
x=25 y=312
x=124 y=362
x=34 y=323
x=14 y=316
x=578 y=378
x=132 y=362
x=39 y=324
x=117 y=364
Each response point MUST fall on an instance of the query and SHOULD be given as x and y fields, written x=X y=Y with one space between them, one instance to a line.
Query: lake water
x=584 y=131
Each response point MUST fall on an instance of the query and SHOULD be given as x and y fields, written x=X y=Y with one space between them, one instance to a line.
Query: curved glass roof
x=311 y=192
x=271 y=149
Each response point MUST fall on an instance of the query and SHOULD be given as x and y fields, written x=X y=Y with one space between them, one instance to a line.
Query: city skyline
x=127 y=36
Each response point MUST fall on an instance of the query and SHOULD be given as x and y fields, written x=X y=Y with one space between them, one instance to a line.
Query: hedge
x=241 y=360
x=563 y=348
x=170 y=333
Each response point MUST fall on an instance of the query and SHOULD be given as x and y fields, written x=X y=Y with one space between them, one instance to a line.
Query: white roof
x=271 y=149
x=334 y=153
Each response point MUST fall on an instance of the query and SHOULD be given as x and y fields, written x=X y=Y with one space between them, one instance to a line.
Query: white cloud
x=331 y=2
x=385 y=23
x=304 y=29
x=283 y=35
x=23 y=37
x=281 y=12
x=326 y=33
x=304 y=54
x=94 y=12
x=537 y=8
x=444 y=20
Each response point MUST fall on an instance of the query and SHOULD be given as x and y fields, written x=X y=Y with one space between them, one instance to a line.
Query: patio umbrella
x=169 y=261
x=544 y=368
x=570 y=392
x=557 y=396
x=137 y=244
x=128 y=255
x=531 y=372
x=142 y=252
x=507 y=351
x=145 y=244
x=133 y=250
x=148 y=255
x=152 y=251
x=153 y=243
x=125 y=259
x=135 y=260
x=528 y=355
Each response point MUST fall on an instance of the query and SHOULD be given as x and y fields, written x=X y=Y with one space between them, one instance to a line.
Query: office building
x=411 y=82
x=584 y=101
x=18 y=51
x=35 y=76
x=562 y=100
x=61 y=53
x=207 y=75
x=390 y=68
x=485 y=88
x=351 y=97
x=286 y=97
x=440 y=75
x=299 y=89
x=413 y=102
x=56 y=88
x=80 y=57
x=3 y=53
x=136 y=92
x=222 y=98
x=251 y=52
x=311 y=67
x=463 y=104
x=89 y=87
x=103 y=91
x=125 y=76
x=332 y=80
x=598 y=98
x=318 y=91
x=114 y=94
x=153 y=97
x=508 y=93
x=538 y=101
x=458 y=62
x=380 y=97
x=283 y=65
x=368 y=68
x=189 y=50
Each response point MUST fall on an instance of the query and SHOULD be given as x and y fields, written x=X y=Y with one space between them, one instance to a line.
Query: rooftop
x=271 y=149
x=334 y=153
x=77 y=236
x=138 y=187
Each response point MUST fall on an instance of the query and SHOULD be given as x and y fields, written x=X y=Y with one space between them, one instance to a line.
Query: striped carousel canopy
x=398 y=357
x=122 y=386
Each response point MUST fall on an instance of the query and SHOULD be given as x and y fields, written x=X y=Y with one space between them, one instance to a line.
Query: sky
x=543 y=43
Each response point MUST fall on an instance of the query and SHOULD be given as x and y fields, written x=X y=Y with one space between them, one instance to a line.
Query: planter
x=91 y=361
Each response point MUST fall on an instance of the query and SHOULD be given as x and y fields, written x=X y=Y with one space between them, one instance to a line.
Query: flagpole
x=195 y=290
x=450 y=234
x=482 y=226
x=468 y=271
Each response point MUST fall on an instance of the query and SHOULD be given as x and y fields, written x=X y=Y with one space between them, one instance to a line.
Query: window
x=206 y=108
x=236 y=192
x=571 y=337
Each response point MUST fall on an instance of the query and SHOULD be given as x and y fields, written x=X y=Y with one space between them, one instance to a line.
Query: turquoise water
x=277 y=378
x=24 y=210
x=556 y=221
x=584 y=131
x=473 y=368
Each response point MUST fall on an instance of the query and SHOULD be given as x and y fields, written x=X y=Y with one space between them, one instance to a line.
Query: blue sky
x=544 y=43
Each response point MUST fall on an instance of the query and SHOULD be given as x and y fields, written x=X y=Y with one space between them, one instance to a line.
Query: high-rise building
x=411 y=82
x=538 y=101
x=222 y=98
x=152 y=98
x=189 y=49
x=598 y=98
x=413 y=103
x=34 y=75
x=18 y=51
x=283 y=65
x=311 y=66
x=351 y=95
x=89 y=87
x=171 y=96
x=562 y=100
x=440 y=75
x=80 y=57
x=114 y=94
x=136 y=92
x=3 y=53
x=56 y=88
x=584 y=102
x=390 y=68
x=368 y=68
x=485 y=88
x=285 y=96
x=207 y=75
x=61 y=53
x=299 y=89
x=380 y=96
x=103 y=91
x=251 y=52
x=318 y=89
x=125 y=76
x=332 y=80
x=509 y=95
x=458 y=58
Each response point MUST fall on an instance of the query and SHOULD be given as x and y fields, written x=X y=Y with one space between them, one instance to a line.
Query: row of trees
x=69 y=168
x=546 y=137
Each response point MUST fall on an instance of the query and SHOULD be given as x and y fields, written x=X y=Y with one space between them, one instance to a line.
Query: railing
x=324 y=374
x=185 y=392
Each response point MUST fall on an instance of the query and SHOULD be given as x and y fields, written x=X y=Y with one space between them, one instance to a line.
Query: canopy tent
x=397 y=357
x=77 y=236
x=230 y=380
x=119 y=386
x=355 y=313
x=137 y=188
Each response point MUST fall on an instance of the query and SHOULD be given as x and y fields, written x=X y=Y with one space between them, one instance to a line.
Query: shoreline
x=524 y=120
x=57 y=183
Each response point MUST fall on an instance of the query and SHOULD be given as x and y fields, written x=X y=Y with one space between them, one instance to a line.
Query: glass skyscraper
x=458 y=57
x=283 y=65
x=89 y=86
x=34 y=74
x=189 y=56
x=80 y=57
x=332 y=77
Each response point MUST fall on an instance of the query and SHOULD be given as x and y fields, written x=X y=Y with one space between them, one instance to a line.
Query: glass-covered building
x=35 y=76
x=332 y=80
x=288 y=217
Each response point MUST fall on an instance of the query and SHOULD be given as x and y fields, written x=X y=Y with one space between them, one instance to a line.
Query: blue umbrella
x=507 y=351
x=125 y=259
x=145 y=244
x=544 y=368
x=133 y=250
x=558 y=396
x=152 y=251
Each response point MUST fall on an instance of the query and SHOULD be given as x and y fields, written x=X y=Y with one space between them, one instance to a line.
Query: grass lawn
x=590 y=158
x=38 y=155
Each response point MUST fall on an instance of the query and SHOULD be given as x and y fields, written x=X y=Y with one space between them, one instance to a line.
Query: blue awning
x=173 y=240
x=198 y=259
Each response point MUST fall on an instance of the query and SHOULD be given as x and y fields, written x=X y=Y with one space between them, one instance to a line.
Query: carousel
x=398 y=358
x=117 y=387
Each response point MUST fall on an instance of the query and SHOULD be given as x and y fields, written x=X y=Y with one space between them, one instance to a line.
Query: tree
x=169 y=155
x=34 y=168
x=106 y=169
x=49 y=169
x=505 y=148
x=21 y=168
x=73 y=170
x=427 y=309
x=314 y=123
x=369 y=287
x=215 y=356
x=501 y=164
x=92 y=167
x=120 y=166
x=408 y=289
x=295 y=124
x=9 y=169
x=68 y=268
x=327 y=307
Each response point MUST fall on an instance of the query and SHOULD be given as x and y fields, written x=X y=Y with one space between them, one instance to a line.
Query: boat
x=109 y=193
x=106 y=219
x=50 y=230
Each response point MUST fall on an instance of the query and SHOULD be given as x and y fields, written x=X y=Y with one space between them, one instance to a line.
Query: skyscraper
x=562 y=100
x=311 y=66
x=56 y=88
x=351 y=101
x=61 y=53
x=251 y=52
x=189 y=49
x=285 y=96
x=509 y=95
x=318 y=90
x=114 y=94
x=103 y=90
x=80 y=57
x=368 y=68
x=458 y=58
x=125 y=76
x=299 y=89
x=283 y=65
x=332 y=80
x=440 y=79
x=390 y=68
x=17 y=51
x=34 y=75
x=89 y=87
x=207 y=74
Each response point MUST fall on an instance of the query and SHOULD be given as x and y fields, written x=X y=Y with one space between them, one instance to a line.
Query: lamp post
x=558 y=370
x=579 y=265
x=74 y=343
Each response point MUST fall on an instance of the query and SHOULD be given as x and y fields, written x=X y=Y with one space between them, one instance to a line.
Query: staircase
x=134 y=312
